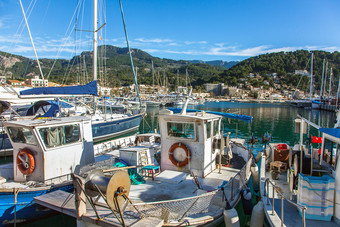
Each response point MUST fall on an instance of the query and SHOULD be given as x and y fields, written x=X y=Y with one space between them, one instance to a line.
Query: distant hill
x=284 y=64
x=225 y=64
x=117 y=68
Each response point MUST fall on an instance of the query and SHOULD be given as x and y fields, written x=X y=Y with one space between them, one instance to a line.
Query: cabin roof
x=46 y=121
x=193 y=115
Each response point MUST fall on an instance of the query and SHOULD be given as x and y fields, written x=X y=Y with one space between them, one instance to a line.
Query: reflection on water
x=276 y=119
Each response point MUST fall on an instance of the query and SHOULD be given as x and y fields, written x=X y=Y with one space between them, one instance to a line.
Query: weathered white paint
x=202 y=154
x=54 y=162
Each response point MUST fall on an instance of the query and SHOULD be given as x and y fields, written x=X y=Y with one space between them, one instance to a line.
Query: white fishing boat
x=45 y=153
x=299 y=185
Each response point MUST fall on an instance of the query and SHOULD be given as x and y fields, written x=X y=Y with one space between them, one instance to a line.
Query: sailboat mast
x=153 y=76
x=337 y=93
x=323 y=74
x=164 y=82
x=177 y=81
x=324 y=85
x=95 y=39
x=330 y=82
x=186 y=78
x=311 y=78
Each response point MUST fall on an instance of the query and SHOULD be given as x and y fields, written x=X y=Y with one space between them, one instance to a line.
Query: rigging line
x=81 y=65
x=127 y=42
x=43 y=18
x=67 y=72
x=63 y=46
x=21 y=26
x=301 y=77
x=29 y=32
x=104 y=60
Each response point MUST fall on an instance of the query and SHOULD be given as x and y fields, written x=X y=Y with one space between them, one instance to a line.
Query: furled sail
x=88 y=89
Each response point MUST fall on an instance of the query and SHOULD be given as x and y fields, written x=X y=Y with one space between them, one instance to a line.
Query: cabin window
x=331 y=152
x=60 y=135
x=208 y=129
x=21 y=135
x=183 y=130
x=216 y=128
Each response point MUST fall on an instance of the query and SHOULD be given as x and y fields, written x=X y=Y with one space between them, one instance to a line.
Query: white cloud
x=156 y=40
x=195 y=42
x=60 y=47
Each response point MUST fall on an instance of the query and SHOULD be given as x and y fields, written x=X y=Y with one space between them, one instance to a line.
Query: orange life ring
x=25 y=161
x=172 y=158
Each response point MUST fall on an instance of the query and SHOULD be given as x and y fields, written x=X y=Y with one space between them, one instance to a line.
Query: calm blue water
x=276 y=119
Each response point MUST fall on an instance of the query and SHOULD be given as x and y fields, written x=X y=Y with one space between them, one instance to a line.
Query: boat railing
x=62 y=178
x=235 y=184
x=303 y=208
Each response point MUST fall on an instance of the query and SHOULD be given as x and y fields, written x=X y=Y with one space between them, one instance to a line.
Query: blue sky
x=176 y=29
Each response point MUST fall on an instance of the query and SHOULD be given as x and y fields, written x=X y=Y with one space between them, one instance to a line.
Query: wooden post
x=80 y=199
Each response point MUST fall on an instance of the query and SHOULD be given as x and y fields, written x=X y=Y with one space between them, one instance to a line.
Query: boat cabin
x=190 y=142
x=48 y=150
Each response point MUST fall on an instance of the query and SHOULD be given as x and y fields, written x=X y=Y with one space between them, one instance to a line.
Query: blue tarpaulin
x=52 y=109
x=331 y=131
x=245 y=118
x=88 y=89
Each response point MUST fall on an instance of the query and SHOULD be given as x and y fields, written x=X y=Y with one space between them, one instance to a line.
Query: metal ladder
x=143 y=158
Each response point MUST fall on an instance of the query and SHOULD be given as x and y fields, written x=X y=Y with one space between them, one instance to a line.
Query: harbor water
x=275 y=119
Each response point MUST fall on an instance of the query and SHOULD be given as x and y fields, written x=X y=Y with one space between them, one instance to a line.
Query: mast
x=337 y=94
x=311 y=79
x=324 y=85
x=186 y=77
x=153 y=77
x=330 y=82
x=35 y=52
x=164 y=82
x=177 y=81
x=137 y=77
x=95 y=39
x=323 y=74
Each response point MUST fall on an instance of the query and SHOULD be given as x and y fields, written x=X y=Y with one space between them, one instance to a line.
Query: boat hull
x=114 y=128
x=24 y=209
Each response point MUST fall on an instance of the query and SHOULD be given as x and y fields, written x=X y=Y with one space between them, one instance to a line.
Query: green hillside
x=284 y=64
x=117 y=70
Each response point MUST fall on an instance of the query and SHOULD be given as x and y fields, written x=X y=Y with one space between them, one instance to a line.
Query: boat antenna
x=184 y=110
x=127 y=42
x=29 y=32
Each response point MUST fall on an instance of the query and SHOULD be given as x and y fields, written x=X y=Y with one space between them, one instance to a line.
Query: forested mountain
x=224 y=64
x=113 y=65
x=117 y=71
x=284 y=64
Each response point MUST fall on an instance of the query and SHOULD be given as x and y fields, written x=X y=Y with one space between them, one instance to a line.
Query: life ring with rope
x=172 y=157
x=25 y=161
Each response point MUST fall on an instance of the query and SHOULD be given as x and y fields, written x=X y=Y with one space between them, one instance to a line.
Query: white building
x=37 y=82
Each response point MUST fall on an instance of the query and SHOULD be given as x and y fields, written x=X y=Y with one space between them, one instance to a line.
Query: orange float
x=172 y=158
x=25 y=161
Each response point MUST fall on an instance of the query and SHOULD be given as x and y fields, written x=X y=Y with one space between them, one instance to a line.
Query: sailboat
x=47 y=150
x=104 y=125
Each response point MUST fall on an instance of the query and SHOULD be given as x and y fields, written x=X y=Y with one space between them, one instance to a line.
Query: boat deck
x=171 y=185
x=291 y=215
